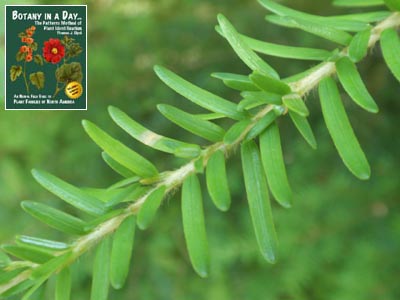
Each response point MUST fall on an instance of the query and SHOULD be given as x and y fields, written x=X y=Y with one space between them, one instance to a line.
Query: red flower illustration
x=23 y=49
x=53 y=51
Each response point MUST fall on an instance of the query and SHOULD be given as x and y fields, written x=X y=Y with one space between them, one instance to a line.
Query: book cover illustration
x=45 y=57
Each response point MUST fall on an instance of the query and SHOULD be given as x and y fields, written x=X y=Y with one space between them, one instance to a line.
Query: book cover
x=45 y=60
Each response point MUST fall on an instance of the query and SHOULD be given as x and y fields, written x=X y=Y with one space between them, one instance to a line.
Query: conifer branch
x=172 y=180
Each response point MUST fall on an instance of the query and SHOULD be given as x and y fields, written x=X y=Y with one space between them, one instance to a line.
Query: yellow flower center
x=54 y=50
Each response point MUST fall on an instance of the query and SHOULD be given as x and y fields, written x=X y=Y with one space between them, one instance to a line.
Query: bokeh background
x=339 y=241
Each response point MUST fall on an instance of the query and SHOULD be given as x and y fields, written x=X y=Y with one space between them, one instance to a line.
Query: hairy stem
x=174 y=179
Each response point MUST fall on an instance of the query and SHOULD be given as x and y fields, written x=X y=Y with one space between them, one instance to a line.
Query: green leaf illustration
x=37 y=79
x=15 y=72
x=34 y=46
x=69 y=72
x=20 y=56
x=38 y=59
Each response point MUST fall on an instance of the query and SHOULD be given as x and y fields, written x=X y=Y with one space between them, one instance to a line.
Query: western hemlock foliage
x=112 y=213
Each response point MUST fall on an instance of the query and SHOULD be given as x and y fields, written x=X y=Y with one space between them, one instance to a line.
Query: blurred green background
x=339 y=241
